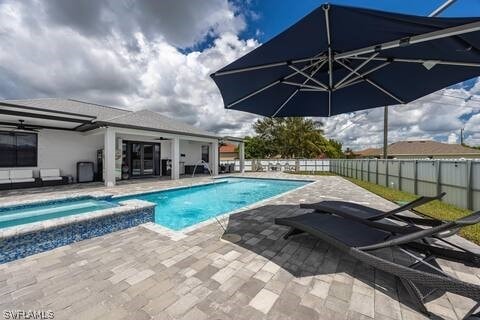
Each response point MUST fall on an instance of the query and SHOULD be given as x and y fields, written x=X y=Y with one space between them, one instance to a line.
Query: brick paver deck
x=142 y=274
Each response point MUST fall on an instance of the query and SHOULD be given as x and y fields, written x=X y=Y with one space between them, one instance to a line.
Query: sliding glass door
x=144 y=159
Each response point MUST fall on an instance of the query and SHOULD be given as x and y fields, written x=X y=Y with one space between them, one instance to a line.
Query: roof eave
x=128 y=126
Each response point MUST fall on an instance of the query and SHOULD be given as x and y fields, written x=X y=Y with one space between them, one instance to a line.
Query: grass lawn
x=435 y=209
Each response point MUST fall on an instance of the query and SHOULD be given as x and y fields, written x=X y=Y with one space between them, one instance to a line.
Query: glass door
x=144 y=159
x=136 y=159
x=147 y=159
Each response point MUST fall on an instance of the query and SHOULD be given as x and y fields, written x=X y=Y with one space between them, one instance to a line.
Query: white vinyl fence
x=308 y=165
x=460 y=179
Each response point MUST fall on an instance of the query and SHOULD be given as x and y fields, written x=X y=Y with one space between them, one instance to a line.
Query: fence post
x=361 y=170
x=469 y=186
x=376 y=171
x=438 y=176
x=297 y=165
x=386 y=173
x=415 y=177
x=400 y=175
x=368 y=170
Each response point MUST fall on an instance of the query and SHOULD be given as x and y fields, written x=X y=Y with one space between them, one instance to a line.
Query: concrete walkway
x=142 y=274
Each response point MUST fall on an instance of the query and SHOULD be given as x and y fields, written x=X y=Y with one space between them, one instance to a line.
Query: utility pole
x=461 y=136
x=434 y=13
x=385 y=132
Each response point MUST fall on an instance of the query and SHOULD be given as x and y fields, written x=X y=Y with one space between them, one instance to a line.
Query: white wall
x=63 y=149
x=192 y=151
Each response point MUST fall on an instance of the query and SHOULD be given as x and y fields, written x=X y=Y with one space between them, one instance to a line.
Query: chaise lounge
x=422 y=278
x=361 y=213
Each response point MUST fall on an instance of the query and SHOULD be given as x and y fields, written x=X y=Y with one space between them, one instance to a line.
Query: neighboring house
x=228 y=152
x=58 y=133
x=421 y=149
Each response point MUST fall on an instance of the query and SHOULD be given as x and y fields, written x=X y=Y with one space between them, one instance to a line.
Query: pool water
x=180 y=208
x=14 y=216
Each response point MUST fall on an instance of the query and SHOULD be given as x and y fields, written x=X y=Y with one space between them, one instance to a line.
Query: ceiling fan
x=24 y=127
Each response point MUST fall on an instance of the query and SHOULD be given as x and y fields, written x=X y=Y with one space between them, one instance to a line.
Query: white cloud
x=124 y=54
x=433 y=117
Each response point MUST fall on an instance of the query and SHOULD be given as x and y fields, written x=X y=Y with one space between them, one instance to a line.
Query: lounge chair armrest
x=411 y=237
x=417 y=203
x=471 y=219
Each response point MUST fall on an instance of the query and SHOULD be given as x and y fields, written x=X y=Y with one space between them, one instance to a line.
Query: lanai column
x=109 y=157
x=241 y=154
x=214 y=157
x=175 y=155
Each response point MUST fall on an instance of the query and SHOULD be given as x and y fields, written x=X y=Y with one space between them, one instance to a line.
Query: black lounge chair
x=357 y=211
x=371 y=216
x=422 y=279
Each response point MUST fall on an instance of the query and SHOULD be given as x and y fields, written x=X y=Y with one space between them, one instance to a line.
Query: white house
x=122 y=144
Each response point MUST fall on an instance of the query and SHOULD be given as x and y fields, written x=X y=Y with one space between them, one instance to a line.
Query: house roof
x=69 y=105
x=69 y=114
x=228 y=148
x=148 y=119
x=421 y=148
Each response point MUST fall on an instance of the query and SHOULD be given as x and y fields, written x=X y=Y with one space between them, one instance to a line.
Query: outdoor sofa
x=23 y=178
x=419 y=272
x=52 y=177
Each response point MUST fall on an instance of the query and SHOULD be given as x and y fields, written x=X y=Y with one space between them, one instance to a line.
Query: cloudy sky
x=159 y=54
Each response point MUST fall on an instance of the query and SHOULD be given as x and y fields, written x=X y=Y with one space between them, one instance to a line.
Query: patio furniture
x=422 y=278
x=288 y=168
x=272 y=167
x=52 y=177
x=355 y=211
x=5 y=182
x=23 y=178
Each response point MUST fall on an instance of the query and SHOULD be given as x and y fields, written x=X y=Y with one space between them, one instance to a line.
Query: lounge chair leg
x=415 y=295
x=292 y=232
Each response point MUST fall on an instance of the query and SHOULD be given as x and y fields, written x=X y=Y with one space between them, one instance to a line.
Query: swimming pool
x=181 y=208
x=18 y=215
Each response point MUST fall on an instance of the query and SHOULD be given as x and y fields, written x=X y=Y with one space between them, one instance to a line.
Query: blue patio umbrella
x=341 y=59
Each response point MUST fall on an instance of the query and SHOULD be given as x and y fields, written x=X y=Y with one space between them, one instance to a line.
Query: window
x=18 y=149
x=205 y=154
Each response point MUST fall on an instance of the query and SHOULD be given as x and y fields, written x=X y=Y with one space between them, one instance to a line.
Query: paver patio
x=141 y=274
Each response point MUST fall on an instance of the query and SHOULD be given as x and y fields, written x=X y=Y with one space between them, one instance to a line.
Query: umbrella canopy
x=341 y=59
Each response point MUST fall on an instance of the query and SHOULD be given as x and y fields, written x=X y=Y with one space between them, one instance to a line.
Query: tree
x=256 y=148
x=291 y=137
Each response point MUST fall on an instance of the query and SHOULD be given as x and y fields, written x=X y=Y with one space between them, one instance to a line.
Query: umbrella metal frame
x=356 y=75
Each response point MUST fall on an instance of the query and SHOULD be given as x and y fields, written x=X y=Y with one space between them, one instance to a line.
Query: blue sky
x=272 y=16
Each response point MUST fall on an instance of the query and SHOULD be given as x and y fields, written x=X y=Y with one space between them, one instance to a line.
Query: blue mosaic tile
x=24 y=245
